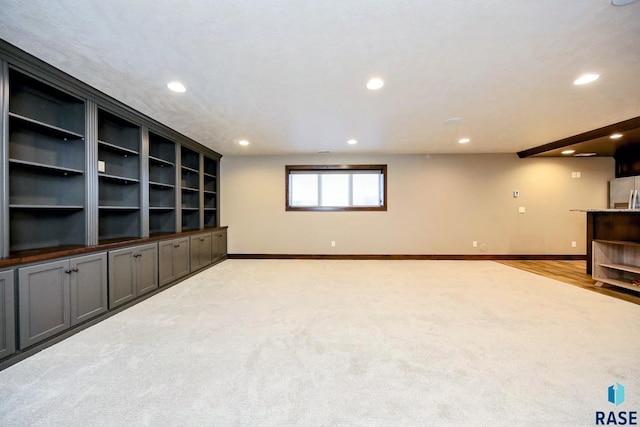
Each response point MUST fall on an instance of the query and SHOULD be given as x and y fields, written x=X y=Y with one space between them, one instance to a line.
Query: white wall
x=437 y=204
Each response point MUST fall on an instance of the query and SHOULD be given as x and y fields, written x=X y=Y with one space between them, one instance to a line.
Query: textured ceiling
x=290 y=75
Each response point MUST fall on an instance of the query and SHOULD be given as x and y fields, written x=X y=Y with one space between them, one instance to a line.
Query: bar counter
x=611 y=224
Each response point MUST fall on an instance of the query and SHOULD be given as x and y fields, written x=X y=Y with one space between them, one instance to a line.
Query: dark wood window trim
x=335 y=168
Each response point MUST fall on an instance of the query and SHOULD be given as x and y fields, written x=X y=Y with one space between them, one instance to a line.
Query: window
x=336 y=188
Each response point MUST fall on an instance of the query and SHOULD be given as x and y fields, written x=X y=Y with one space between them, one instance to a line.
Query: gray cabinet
x=201 y=251
x=173 y=260
x=88 y=287
x=56 y=295
x=132 y=272
x=7 y=314
x=219 y=244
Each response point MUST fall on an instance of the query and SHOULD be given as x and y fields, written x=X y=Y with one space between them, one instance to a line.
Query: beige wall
x=437 y=204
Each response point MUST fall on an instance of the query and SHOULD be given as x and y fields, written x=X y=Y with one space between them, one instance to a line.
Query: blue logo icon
x=616 y=394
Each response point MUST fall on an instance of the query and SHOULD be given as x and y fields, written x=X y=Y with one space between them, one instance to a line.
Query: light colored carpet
x=340 y=343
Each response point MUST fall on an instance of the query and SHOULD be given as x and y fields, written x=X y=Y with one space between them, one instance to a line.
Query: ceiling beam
x=620 y=127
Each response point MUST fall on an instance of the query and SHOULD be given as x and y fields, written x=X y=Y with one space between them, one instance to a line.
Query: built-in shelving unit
x=210 y=191
x=90 y=190
x=190 y=189
x=78 y=168
x=119 y=178
x=162 y=185
x=46 y=157
x=617 y=263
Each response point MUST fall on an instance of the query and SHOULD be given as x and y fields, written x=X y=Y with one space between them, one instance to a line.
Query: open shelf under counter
x=616 y=263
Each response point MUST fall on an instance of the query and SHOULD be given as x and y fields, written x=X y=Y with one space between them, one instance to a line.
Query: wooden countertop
x=37 y=255
x=607 y=210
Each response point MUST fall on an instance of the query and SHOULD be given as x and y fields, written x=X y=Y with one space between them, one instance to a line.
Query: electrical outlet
x=516 y=194
x=574 y=244
x=475 y=244
x=102 y=167
x=521 y=209
x=333 y=243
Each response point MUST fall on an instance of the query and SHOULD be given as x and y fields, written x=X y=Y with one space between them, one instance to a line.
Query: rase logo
x=615 y=395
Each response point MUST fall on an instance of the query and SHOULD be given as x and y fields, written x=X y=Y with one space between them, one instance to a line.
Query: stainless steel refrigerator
x=623 y=193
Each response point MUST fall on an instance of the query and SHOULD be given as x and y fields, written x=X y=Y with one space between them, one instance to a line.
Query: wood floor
x=573 y=273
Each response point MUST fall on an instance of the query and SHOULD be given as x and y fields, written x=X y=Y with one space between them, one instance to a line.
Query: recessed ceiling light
x=243 y=142
x=352 y=141
x=176 y=87
x=567 y=152
x=622 y=2
x=464 y=140
x=585 y=154
x=586 y=78
x=375 y=83
x=453 y=121
x=616 y=136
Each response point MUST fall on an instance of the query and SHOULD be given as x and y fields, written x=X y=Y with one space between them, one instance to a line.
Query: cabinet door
x=206 y=250
x=7 y=315
x=44 y=301
x=220 y=245
x=88 y=287
x=200 y=251
x=121 y=277
x=195 y=245
x=146 y=260
x=173 y=260
x=181 y=257
x=165 y=262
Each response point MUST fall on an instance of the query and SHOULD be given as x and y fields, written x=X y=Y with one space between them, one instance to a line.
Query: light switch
x=101 y=166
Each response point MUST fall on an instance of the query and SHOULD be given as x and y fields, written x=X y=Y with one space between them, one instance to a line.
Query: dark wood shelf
x=47 y=253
